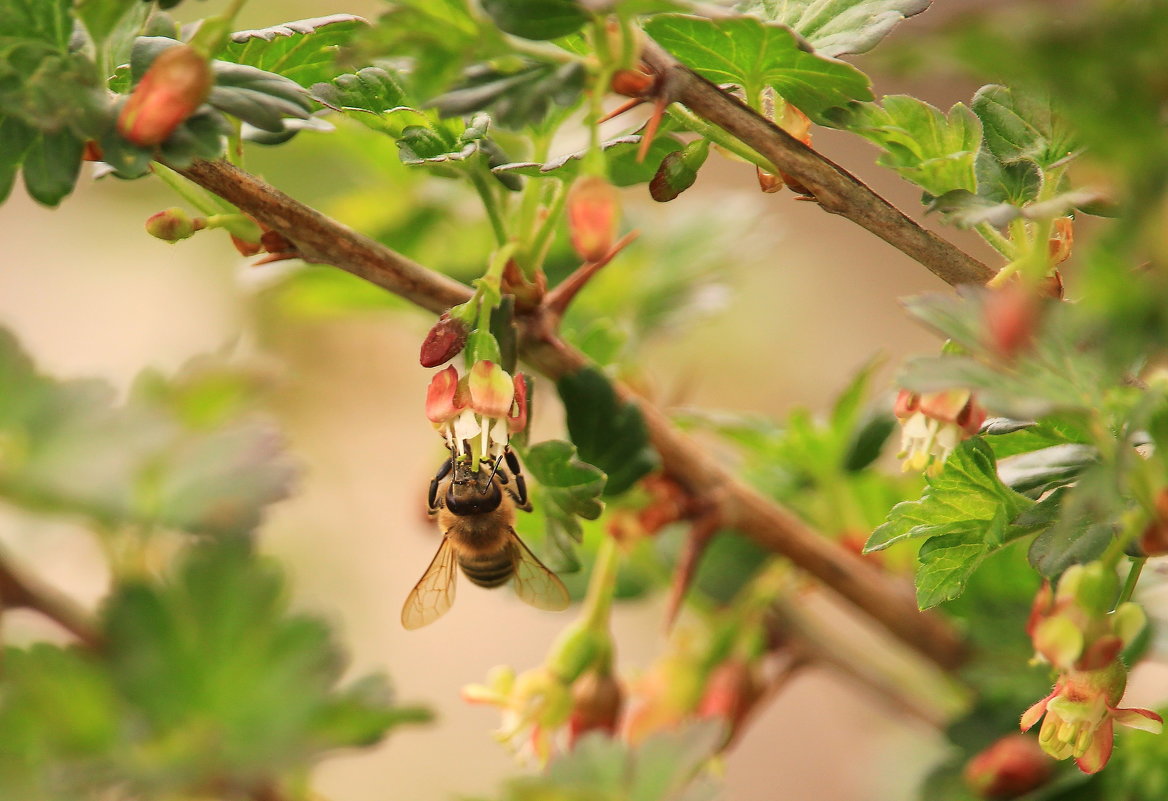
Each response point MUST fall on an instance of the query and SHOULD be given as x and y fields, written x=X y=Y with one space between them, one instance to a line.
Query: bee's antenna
x=494 y=470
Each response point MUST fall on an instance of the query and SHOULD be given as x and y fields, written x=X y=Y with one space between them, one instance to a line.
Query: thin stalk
x=719 y=137
x=598 y=601
x=1133 y=578
x=491 y=205
x=996 y=240
x=547 y=228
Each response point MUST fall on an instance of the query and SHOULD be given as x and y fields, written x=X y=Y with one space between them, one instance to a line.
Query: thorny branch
x=835 y=189
x=20 y=592
x=738 y=506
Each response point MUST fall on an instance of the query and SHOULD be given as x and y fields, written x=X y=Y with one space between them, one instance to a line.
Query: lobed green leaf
x=837 y=27
x=304 y=51
x=754 y=55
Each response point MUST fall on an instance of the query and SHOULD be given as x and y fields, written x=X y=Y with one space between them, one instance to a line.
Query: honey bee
x=476 y=511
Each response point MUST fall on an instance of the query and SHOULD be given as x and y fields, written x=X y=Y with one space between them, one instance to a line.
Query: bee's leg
x=520 y=491
x=443 y=472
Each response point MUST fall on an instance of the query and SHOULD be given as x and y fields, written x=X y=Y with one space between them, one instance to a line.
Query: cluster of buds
x=175 y=85
x=477 y=413
x=1075 y=632
x=932 y=424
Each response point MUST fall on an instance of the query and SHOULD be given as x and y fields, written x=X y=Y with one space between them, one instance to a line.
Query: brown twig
x=739 y=506
x=19 y=592
x=836 y=190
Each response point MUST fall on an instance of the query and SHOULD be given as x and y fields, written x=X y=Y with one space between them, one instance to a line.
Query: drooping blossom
x=477 y=413
x=933 y=424
x=1079 y=716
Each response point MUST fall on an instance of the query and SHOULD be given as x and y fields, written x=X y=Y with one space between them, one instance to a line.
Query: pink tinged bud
x=593 y=208
x=517 y=417
x=445 y=340
x=175 y=85
x=945 y=406
x=731 y=693
x=491 y=389
x=174 y=225
x=1010 y=767
x=906 y=403
x=1012 y=315
x=442 y=397
x=1059 y=641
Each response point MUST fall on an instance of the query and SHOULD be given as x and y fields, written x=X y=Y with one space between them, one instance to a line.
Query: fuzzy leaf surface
x=837 y=27
x=755 y=55
x=304 y=50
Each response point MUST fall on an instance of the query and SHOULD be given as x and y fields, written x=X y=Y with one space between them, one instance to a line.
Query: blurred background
x=806 y=299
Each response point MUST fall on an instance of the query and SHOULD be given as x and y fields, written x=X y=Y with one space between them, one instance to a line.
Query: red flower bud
x=92 y=151
x=593 y=207
x=731 y=692
x=597 y=700
x=632 y=83
x=173 y=225
x=446 y=338
x=767 y=181
x=245 y=247
x=1012 y=766
x=174 y=86
x=1012 y=315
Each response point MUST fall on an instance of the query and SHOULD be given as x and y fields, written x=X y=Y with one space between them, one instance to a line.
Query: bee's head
x=471 y=492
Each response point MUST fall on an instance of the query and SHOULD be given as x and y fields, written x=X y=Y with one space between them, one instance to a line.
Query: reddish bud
x=1154 y=541
x=444 y=400
x=92 y=151
x=597 y=700
x=1010 y=767
x=173 y=225
x=767 y=181
x=593 y=208
x=1062 y=239
x=1012 y=315
x=731 y=692
x=174 y=86
x=445 y=340
x=632 y=83
x=245 y=247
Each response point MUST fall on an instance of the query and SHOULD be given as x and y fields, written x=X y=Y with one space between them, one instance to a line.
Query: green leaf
x=948 y=559
x=373 y=90
x=101 y=17
x=667 y=766
x=620 y=154
x=837 y=27
x=517 y=95
x=1038 y=471
x=1086 y=525
x=1020 y=125
x=68 y=449
x=1017 y=182
x=537 y=19
x=967 y=491
x=608 y=432
x=52 y=162
x=304 y=51
x=964 y=209
x=933 y=149
x=257 y=97
x=753 y=55
x=567 y=489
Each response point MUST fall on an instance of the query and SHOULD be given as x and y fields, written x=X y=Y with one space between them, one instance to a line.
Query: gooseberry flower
x=535 y=704
x=1079 y=716
x=483 y=408
x=933 y=424
x=174 y=86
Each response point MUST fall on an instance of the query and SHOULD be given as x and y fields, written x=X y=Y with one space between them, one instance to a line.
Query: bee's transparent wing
x=433 y=595
x=534 y=583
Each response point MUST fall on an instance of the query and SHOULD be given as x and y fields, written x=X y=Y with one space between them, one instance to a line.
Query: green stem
x=601 y=585
x=202 y=200
x=719 y=137
x=997 y=240
x=490 y=204
x=543 y=237
x=1133 y=577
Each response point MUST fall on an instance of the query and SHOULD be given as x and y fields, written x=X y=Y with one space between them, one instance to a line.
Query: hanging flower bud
x=174 y=86
x=1012 y=766
x=597 y=699
x=443 y=399
x=444 y=341
x=1062 y=239
x=678 y=171
x=1012 y=315
x=934 y=423
x=768 y=182
x=731 y=692
x=593 y=208
x=174 y=225
x=632 y=83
